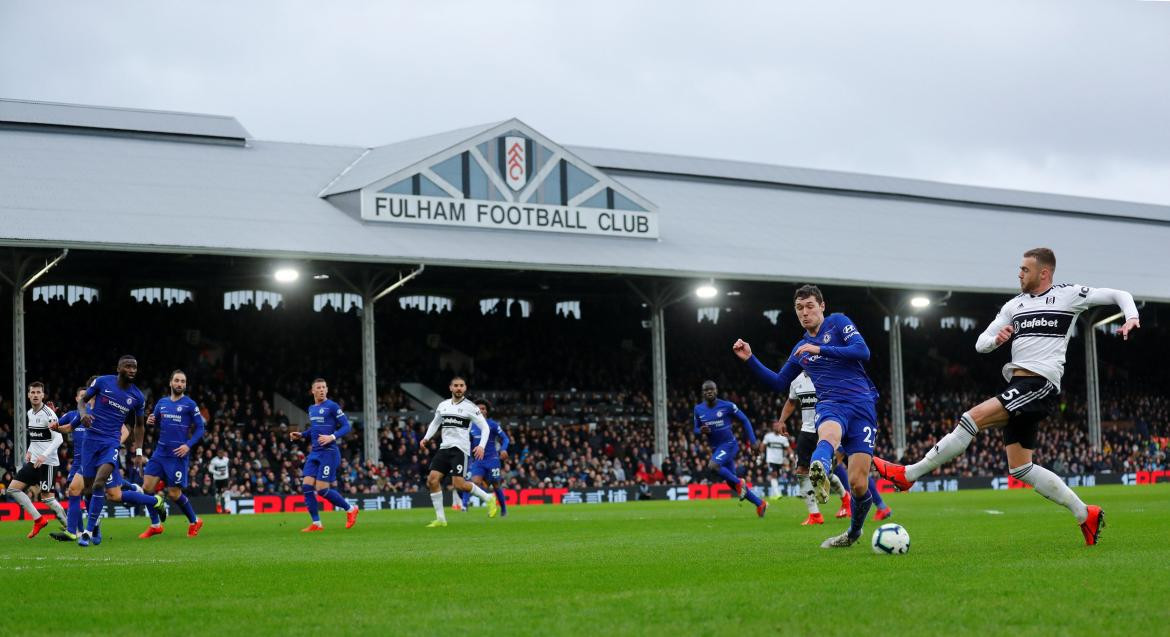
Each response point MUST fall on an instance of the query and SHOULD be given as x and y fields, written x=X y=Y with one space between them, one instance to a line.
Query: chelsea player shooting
x=180 y=428
x=327 y=423
x=833 y=353
x=713 y=417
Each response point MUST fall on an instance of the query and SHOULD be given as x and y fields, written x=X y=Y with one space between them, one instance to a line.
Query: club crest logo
x=515 y=162
x=827 y=338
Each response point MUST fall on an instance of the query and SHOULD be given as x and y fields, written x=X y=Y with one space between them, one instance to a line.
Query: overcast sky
x=1067 y=96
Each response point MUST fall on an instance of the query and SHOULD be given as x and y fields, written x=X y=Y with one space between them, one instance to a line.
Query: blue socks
x=73 y=518
x=753 y=498
x=727 y=474
x=185 y=505
x=138 y=498
x=97 y=502
x=334 y=498
x=824 y=455
x=500 y=500
x=842 y=475
x=311 y=501
x=465 y=498
x=877 y=497
x=860 y=510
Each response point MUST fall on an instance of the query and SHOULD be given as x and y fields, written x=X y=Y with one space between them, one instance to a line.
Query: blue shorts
x=858 y=424
x=725 y=454
x=322 y=465
x=488 y=469
x=173 y=470
x=96 y=452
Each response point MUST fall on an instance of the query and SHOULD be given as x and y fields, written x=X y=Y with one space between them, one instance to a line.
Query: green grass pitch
x=981 y=562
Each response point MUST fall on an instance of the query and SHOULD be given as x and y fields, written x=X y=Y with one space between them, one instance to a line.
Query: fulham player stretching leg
x=454 y=416
x=1038 y=322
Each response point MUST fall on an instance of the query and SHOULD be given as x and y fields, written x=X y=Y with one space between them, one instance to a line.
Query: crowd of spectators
x=574 y=394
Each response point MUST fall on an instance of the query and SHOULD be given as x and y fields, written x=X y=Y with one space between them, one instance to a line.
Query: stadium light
x=286 y=275
x=919 y=302
x=707 y=290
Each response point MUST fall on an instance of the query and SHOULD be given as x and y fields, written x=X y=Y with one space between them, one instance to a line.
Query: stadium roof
x=122 y=179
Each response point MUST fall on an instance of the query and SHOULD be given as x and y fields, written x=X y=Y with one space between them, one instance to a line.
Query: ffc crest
x=515 y=162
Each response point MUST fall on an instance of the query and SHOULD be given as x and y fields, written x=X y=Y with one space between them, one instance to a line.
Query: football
x=891 y=539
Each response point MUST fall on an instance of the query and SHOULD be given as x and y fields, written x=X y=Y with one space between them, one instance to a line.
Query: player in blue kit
x=833 y=353
x=713 y=417
x=327 y=423
x=115 y=399
x=180 y=428
x=485 y=471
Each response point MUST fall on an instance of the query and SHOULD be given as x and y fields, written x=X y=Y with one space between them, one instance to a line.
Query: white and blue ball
x=891 y=539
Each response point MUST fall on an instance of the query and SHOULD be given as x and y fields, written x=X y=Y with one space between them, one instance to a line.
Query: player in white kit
x=803 y=395
x=454 y=417
x=40 y=461
x=776 y=444
x=1038 y=323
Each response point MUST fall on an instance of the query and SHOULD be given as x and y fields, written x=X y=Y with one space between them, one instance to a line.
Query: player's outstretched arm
x=747 y=425
x=777 y=381
x=1120 y=298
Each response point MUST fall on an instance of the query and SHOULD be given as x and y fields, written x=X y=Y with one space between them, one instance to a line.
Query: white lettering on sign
x=474 y=213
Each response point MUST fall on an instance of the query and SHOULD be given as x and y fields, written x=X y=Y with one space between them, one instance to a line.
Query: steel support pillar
x=897 y=388
x=1092 y=386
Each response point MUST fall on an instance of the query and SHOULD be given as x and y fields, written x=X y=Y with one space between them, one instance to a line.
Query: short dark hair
x=806 y=290
x=709 y=381
x=35 y=384
x=127 y=357
x=455 y=378
x=177 y=371
x=1045 y=257
x=318 y=380
x=82 y=388
x=485 y=402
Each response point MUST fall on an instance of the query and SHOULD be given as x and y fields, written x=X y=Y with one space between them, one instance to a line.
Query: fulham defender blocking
x=327 y=424
x=454 y=417
x=1038 y=322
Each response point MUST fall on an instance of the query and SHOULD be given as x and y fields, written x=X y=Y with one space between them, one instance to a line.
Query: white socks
x=1050 y=485
x=810 y=500
x=23 y=499
x=479 y=493
x=951 y=446
x=835 y=485
x=437 y=501
x=58 y=510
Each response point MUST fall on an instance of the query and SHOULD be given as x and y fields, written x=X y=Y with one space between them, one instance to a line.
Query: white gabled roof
x=376 y=163
x=80 y=116
x=107 y=191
